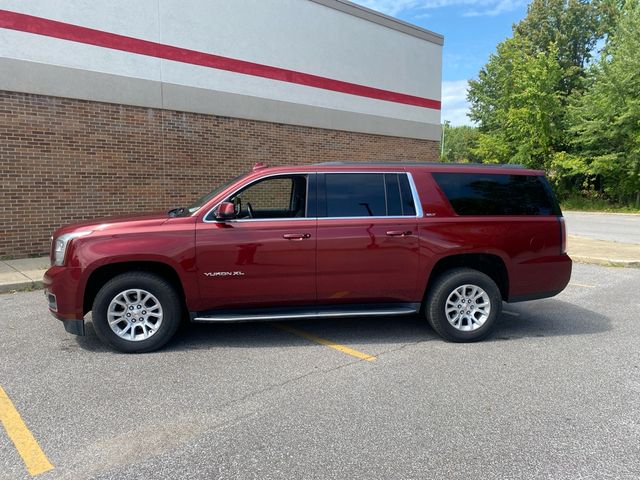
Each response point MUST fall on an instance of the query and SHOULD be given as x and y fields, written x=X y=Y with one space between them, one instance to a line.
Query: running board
x=295 y=314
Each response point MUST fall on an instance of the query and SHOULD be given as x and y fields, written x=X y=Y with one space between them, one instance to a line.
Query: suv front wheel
x=463 y=305
x=136 y=312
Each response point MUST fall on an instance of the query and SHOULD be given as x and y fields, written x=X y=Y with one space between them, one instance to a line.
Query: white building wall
x=305 y=36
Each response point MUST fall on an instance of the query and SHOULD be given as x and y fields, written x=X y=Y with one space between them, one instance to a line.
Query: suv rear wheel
x=463 y=305
x=136 y=312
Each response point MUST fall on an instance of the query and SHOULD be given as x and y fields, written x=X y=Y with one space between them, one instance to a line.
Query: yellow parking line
x=581 y=285
x=325 y=342
x=32 y=455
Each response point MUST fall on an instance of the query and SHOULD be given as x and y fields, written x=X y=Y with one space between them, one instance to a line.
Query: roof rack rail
x=399 y=163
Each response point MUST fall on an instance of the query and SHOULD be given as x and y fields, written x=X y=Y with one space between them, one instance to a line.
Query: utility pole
x=445 y=124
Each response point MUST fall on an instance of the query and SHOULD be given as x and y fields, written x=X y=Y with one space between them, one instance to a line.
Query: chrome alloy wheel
x=134 y=315
x=467 y=308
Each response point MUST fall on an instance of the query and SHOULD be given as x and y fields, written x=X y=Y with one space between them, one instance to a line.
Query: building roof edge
x=373 y=16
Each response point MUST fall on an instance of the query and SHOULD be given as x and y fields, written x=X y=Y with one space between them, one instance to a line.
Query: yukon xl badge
x=223 y=274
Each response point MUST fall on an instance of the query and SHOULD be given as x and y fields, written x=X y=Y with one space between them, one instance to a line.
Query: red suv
x=450 y=242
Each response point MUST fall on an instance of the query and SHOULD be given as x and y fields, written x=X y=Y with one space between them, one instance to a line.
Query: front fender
x=175 y=250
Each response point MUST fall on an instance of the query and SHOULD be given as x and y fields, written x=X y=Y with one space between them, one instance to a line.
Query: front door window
x=272 y=198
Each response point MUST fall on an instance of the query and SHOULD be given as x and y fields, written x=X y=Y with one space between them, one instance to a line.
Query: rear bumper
x=545 y=277
x=533 y=296
x=61 y=289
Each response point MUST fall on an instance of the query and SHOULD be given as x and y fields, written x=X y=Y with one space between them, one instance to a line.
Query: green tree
x=543 y=101
x=567 y=30
x=516 y=103
x=605 y=120
x=458 y=144
x=572 y=26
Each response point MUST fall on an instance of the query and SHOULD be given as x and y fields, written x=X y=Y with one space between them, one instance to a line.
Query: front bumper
x=73 y=326
x=76 y=327
x=61 y=289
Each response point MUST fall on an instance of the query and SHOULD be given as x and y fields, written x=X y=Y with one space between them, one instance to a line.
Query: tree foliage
x=519 y=110
x=546 y=99
x=572 y=26
x=458 y=144
x=605 y=120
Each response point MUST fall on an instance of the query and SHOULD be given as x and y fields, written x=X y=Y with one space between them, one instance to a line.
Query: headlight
x=60 y=247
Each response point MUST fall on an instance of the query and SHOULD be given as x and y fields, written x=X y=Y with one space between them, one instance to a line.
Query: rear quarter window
x=498 y=194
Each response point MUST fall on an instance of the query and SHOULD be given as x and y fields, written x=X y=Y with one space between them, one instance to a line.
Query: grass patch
x=578 y=202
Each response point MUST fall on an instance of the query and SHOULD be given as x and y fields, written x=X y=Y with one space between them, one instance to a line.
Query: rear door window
x=367 y=195
x=498 y=194
x=355 y=195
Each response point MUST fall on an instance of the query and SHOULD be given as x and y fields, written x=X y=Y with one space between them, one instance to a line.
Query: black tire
x=158 y=287
x=444 y=286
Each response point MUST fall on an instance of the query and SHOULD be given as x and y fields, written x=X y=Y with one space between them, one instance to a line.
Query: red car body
x=312 y=261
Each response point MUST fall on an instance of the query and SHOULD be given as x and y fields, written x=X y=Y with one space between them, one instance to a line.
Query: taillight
x=563 y=236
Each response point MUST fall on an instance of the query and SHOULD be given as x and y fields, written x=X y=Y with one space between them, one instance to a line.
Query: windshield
x=197 y=205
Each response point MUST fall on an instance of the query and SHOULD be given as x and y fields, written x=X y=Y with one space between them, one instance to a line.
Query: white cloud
x=454 y=102
x=390 y=7
x=479 y=7
x=495 y=9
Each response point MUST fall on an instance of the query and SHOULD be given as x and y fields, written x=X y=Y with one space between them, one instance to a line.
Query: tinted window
x=497 y=194
x=367 y=194
x=355 y=195
x=394 y=199
x=408 y=208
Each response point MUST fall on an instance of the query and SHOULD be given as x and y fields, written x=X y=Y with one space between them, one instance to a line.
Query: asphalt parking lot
x=553 y=394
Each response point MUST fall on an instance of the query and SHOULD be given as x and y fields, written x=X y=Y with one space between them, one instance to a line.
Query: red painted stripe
x=90 y=36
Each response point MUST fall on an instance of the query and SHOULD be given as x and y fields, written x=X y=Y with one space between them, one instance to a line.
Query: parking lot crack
x=405 y=346
x=276 y=386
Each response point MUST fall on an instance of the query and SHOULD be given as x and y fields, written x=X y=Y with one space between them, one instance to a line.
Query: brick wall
x=63 y=160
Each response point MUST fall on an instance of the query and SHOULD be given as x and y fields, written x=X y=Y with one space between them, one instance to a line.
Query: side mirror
x=225 y=211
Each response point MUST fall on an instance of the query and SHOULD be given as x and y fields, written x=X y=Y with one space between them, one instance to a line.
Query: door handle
x=296 y=236
x=398 y=233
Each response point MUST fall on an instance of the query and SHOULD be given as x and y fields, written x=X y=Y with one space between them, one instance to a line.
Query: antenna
x=259 y=166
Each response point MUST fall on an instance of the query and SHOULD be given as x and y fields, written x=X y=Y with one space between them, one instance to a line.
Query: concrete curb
x=591 y=212
x=22 y=273
x=602 y=252
x=606 y=262
x=20 y=286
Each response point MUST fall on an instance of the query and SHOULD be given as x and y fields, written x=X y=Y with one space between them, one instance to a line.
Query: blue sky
x=471 y=29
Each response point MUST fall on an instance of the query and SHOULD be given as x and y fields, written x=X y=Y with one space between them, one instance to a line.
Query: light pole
x=444 y=125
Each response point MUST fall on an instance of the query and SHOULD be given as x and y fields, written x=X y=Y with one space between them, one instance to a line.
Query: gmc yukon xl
x=445 y=241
